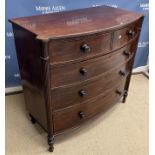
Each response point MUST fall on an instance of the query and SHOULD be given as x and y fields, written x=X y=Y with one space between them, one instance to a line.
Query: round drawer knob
x=82 y=93
x=131 y=33
x=119 y=92
x=82 y=114
x=123 y=73
x=83 y=71
x=85 y=48
x=127 y=53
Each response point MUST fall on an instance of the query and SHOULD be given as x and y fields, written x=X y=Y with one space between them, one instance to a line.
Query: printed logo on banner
x=7 y=57
x=44 y=7
x=9 y=34
x=50 y=9
x=94 y=5
x=143 y=44
x=144 y=6
x=17 y=75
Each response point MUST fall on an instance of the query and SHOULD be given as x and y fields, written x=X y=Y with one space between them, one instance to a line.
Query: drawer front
x=79 y=48
x=78 y=114
x=68 y=96
x=79 y=72
x=123 y=36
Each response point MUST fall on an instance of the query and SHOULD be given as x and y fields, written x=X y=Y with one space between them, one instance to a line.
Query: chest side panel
x=31 y=71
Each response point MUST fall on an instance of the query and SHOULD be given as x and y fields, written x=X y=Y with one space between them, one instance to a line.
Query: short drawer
x=123 y=36
x=64 y=50
x=68 y=96
x=78 y=114
x=77 y=72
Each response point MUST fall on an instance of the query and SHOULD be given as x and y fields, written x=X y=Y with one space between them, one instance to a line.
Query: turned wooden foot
x=51 y=149
x=125 y=96
x=33 y=120
x=51 y=143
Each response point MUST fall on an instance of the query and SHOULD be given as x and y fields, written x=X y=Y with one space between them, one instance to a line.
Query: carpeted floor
x=123 y=130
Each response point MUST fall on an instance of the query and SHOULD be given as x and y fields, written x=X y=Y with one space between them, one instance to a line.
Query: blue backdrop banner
x=21 y=8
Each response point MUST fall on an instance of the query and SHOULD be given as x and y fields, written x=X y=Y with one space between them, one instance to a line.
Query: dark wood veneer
x=75 y=64
x=71 y=115
x=122 y=36
x=71 y=49
x=69 y=95
x=59 y=25
x=93 y=67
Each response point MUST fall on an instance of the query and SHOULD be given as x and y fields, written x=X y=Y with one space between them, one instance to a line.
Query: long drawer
x=78 y=114
x=78 y=72
x=75 y=94
x=79 y=47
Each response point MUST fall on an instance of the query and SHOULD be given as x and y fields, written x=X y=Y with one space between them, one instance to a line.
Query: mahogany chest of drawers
x=75 y=64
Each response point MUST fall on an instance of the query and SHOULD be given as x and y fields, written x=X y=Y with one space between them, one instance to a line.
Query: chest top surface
x=77 y=22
